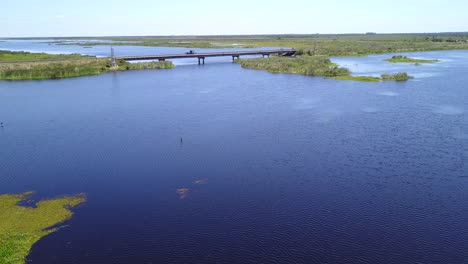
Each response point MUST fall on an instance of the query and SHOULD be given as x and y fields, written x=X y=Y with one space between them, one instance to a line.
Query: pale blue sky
x=40 y=18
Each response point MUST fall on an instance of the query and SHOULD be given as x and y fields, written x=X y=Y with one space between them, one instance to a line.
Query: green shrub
x=401 y=76
x=305 y=65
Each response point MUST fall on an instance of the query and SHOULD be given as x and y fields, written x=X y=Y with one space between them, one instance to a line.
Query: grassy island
x=358 y=78
x=313 y=66
x=404 y=59
x=38 y=66
x=21 y=227
x=18 y=56
x=401 y=76
x=305 y=65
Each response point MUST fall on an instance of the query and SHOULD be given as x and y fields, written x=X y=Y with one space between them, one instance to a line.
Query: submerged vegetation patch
x=404 y=59
x=17 y=66
x=21 y=227
x=183 y=193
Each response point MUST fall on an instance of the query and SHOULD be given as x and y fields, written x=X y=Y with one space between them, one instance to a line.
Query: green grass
x=305 y=65
x=63 y=66
x=53 y=69
x=313 y=66
x=10 y=56
x=329 y=45
x=358 y=78
x=404 y=59
x=145 y=65
x=401 y=76
x=21 y=227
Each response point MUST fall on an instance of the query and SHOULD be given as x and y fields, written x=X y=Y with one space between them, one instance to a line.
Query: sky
x=62 y=18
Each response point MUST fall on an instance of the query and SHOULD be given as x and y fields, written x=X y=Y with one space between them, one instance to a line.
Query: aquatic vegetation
x=358 y=78
x=328 y=44
x=146 y=65
x=21 y=227
x=53 y=69
x=183 y=193
x=10 y=56
x=404 y=59
x=305 y=65
x=401 y=76
x=200 y=182
x=23 y=69
x=313 y=66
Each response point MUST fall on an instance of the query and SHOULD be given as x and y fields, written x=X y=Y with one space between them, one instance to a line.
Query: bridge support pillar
x=201 y=60
x=234 y=58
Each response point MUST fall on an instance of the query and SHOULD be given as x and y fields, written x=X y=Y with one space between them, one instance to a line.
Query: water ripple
x=449 y=110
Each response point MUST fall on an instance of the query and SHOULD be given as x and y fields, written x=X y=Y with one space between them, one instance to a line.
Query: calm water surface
x=53 y=47
x=281 y=168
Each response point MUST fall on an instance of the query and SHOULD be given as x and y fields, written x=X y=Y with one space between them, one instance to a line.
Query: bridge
x=201 y=56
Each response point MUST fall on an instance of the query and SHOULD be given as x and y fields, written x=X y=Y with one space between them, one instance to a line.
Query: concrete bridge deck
x=201 y=56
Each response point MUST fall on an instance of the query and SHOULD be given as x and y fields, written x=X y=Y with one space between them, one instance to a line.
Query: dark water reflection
x=293 y=169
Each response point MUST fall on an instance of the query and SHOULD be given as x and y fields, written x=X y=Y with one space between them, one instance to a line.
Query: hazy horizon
x=53 y=18
x=239 y=35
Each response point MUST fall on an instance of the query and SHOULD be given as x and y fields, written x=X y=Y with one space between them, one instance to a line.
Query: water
x=53 y=47
x=281 y=168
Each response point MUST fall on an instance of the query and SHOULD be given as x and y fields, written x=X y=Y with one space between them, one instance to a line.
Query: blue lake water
x=50 y=46
x=280 y=168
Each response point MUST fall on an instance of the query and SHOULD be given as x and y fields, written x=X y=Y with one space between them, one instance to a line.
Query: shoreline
x=24 y=226
x=21 y=66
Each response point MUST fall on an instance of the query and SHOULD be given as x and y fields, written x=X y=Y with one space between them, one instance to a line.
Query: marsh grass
x=401 y=76
x=330 y=45
x=313 y=66
x=21 y=227
x=145 y=65
x=305 y=65
x=358 y=78
x=68 y=67
x=10 y=56
x=53 y=69
x=404 y=59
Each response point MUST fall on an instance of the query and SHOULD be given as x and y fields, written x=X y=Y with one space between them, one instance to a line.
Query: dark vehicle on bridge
x=190 y=52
